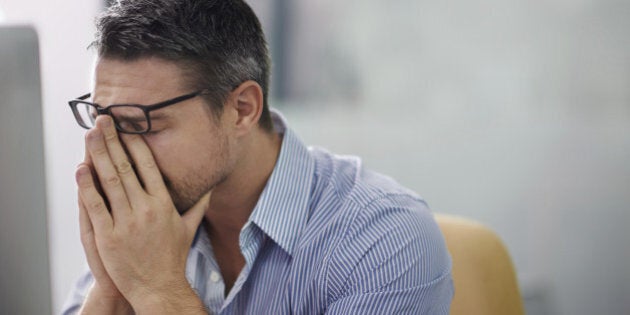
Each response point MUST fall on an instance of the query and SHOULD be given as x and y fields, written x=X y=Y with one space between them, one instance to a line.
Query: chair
x=483 y=274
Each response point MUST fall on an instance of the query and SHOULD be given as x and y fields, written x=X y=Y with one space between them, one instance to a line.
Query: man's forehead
x=140 y=81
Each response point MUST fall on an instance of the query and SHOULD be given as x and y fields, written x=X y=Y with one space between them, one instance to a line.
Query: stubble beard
x=186 y=192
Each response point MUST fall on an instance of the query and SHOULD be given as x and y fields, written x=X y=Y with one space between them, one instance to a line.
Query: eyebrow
x=131 y=119
x=158 y=116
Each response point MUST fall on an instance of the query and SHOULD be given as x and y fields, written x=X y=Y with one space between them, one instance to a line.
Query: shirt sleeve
x=77 y=295
x=393 y=260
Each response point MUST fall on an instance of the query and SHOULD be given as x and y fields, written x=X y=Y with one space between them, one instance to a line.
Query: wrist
x=177 y=299
x=99 y=301
x=104 y=293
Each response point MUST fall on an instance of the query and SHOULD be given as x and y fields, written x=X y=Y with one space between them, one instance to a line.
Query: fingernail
x=82 y=172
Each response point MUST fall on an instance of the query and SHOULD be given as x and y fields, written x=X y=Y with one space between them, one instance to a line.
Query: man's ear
x=248 y=102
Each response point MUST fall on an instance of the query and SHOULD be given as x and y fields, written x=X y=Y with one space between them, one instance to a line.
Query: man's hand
x=141 y=241
x=104 y=297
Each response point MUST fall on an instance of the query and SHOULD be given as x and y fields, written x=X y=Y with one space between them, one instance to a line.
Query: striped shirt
x=326 y=236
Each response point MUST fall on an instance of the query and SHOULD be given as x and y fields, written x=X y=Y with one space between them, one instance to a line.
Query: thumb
x=192 y=217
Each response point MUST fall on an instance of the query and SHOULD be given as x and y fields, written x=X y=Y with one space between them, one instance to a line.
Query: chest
x=273 y=283
x=230 y=261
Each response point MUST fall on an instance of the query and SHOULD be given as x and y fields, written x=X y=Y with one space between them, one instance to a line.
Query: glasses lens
x=85 y=114
x=130 y=119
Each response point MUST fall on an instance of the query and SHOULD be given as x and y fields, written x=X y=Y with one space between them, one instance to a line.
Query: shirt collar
x=282 y=209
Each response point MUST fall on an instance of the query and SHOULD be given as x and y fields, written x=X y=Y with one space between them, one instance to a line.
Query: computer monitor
x=24 y=267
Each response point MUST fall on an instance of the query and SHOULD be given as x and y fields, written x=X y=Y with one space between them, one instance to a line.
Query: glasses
x=128 y=118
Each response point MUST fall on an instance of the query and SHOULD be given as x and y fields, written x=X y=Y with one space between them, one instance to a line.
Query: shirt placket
x=204 y=274
x=250 y=241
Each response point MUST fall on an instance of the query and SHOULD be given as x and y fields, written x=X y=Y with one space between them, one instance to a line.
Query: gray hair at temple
x=217 y=43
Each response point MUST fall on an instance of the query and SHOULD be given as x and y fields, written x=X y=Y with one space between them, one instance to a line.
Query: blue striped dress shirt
x=326 y=237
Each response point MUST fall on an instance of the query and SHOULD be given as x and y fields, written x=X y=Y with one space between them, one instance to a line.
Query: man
x=205 y=201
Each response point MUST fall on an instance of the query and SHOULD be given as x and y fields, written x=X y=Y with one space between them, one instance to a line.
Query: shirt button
x=214 y=276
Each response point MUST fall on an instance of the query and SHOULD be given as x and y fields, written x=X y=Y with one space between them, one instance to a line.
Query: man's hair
x=217 y=43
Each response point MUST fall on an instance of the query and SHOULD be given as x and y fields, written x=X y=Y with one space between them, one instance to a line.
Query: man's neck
x=233 y=200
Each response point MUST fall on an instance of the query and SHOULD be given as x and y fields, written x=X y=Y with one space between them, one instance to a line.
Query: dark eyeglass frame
x=147 y=109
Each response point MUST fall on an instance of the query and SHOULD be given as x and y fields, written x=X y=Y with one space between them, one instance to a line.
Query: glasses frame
x=147 y=109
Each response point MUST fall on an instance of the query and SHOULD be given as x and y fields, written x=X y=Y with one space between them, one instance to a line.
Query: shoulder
x=382 y=229
x=392 y=244
x=364 y=196
x=343 y=177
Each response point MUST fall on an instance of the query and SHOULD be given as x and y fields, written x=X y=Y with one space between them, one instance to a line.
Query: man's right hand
x=104 y=297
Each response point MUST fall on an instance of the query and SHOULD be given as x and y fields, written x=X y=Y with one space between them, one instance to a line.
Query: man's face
x=191 y=148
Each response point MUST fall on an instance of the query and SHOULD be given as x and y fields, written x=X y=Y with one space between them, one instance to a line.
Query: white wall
x=65 y=30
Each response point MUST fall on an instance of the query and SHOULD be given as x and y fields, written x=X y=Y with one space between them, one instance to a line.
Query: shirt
x=326 y=237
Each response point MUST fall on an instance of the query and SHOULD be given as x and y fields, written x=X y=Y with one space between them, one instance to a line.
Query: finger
x=119 y=159
x=98 y=214
x=88 y=240
x=85 y=228
x=192 y=218
x=145 y=164
x=108 y=177
x=86 y=156
x=87 y=160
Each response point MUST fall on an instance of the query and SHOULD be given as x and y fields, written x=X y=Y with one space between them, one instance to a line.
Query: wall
x=515 y=113
x=65 y=30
